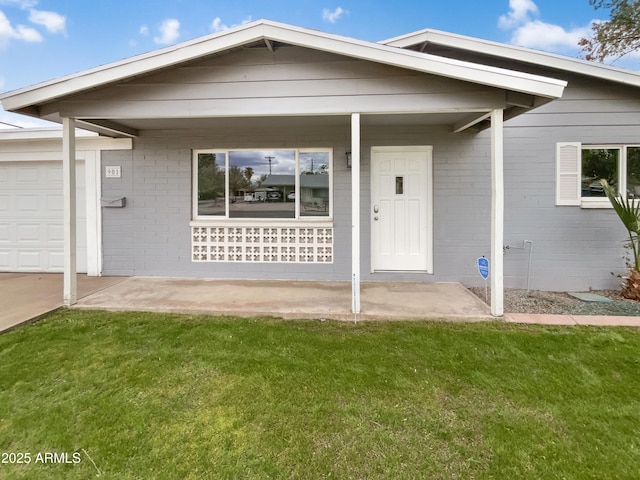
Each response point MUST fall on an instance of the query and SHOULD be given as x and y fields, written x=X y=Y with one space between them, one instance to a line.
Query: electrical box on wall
x=113 y=171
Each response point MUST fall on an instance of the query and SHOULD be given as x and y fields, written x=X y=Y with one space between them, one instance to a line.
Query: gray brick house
x=276 y=152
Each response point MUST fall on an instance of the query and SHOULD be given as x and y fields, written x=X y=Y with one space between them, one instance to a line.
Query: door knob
x=375 y=209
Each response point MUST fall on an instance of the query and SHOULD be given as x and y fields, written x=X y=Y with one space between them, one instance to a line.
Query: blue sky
x=44 y=39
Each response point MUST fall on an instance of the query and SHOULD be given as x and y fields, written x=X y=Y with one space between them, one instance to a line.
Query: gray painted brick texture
x=573 y=248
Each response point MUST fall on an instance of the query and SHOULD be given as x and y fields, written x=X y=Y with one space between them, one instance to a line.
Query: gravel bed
x=536 y=301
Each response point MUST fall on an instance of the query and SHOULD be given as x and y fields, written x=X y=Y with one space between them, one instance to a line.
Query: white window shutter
x=568 y=173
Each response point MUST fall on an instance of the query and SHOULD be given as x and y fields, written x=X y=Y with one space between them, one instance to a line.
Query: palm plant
x=628 y=211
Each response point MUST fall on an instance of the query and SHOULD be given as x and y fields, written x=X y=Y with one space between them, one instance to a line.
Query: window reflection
x=599 y=164
x=260 y=182
x=211 y=183
x=314 y=184
x=633 y=172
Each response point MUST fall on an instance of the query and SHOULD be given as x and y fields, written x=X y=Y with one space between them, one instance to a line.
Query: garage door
x=31 y=217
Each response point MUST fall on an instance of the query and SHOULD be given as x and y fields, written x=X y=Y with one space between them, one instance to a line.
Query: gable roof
x=27 y=99
x=429 y=37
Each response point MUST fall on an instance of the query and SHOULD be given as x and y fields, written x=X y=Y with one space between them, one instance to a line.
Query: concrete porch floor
x=28 y=296
x=289 y=299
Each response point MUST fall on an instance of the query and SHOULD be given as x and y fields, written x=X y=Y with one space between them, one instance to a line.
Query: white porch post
x=70 y=294
x=497 y=213
x=355 y=213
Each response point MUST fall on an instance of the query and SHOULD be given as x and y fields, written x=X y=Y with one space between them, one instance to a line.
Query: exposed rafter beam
x=470 y=121
x=508 y=114
x=109 y=128
x=520 y=100
x=269 y=44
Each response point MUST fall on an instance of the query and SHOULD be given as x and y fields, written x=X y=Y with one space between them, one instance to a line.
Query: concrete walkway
x=290 y=299
x=601 y=320
x=25 y=297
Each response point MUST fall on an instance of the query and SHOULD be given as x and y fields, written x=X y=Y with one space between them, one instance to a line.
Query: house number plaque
x=112 y=171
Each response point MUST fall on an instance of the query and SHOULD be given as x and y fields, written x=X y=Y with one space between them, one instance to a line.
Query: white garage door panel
x=30 y=261
x=55 y=233
x=28 y=204
x=56 y=261
x=31 y=217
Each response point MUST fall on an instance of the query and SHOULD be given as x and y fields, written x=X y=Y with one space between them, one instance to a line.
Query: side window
x=581 y=168
x=599 y=164
x=633 y=172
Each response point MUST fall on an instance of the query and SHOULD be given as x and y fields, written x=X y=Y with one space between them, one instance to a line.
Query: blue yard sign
x=483 y=267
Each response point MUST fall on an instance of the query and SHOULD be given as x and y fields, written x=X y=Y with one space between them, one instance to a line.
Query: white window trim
x=579 y=200
x=203 y=220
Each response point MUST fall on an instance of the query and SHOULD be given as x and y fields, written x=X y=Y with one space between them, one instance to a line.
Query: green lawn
x=146 y=396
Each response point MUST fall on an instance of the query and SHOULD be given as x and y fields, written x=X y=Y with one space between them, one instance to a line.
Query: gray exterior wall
x=573 y=248
x=151 y=235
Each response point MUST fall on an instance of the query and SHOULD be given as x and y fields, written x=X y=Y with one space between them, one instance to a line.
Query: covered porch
x=268 y=86
x=350 y=224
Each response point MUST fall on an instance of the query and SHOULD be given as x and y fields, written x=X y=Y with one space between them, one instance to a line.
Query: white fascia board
x=31 y=140
x=260 y=30
x=407 y=39
x=512 y=52
x=39 y=133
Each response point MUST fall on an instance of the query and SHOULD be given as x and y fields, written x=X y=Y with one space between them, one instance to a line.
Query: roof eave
x=22 y=99
x=512 y=52
x=129 y=67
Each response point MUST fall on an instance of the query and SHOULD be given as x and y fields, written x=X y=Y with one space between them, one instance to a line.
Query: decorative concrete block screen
x=262 y=244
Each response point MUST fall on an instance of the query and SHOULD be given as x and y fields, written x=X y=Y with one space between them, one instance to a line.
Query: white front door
x=401 y=208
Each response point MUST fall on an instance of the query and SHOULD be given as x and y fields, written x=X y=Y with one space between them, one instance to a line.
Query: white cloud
x=52 y=21
x=527 y=30
x=28 y=34
x=21 y=32
x=546 y=36
x=169 y=32
x=519 y=13
x=218 y=26
x=144 y=30
x=333 y=17
x=23 y=4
